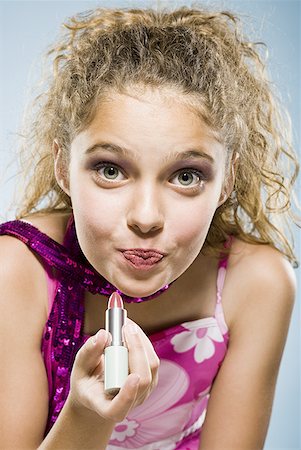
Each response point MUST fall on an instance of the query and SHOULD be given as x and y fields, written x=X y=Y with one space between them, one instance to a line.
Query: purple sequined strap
x=69 y=259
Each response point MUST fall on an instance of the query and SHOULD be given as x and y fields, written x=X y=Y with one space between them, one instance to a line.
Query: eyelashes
x=188 y=178
x=109 y=171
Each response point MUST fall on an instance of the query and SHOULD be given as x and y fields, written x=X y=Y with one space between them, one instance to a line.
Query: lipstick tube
x=115 y=355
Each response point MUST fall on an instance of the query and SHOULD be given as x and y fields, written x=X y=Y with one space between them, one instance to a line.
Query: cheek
x=96 y=213
x=95 y=225
x=188 y=232
x=96 y=217
x=192 y=226
x=94 y=233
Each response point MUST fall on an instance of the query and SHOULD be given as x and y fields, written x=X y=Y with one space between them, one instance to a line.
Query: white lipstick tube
x=115 y=355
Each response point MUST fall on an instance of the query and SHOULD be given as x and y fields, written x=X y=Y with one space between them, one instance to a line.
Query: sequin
x=47 y=335
x=62 y=371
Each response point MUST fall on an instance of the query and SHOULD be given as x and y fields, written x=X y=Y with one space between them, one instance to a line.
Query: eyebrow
x=114 y=148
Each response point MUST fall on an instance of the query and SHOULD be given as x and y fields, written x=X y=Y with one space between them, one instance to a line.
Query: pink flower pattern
x=172 y=416
x=201 y=339
x=125 y=429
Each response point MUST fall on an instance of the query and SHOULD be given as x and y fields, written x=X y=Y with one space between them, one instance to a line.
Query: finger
x=123 y=402
x=154 y=361
x=152 y=356
x=89 y=355
x=138 y=358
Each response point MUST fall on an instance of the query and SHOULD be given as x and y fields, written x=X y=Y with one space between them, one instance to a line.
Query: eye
x=188 y=178
x=108 y=172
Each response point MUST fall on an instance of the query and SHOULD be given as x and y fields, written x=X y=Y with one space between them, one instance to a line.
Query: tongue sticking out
x=145 y=261
x=155 y=256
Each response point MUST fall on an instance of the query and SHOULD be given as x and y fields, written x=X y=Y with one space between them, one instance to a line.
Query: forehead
x=153 y=106
x=148 y=119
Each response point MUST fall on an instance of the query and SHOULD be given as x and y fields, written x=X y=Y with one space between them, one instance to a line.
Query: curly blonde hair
x=199 y=53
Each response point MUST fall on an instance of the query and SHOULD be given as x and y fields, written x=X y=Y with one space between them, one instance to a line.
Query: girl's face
x=147 y=173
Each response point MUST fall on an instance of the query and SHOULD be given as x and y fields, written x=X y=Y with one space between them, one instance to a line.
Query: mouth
x=142 y=258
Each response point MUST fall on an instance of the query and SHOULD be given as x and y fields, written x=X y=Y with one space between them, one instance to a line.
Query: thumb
x=89 y=355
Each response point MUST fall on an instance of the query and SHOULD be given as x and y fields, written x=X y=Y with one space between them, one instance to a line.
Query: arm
x=240 y=405
x=88 y=416
x=23 y=382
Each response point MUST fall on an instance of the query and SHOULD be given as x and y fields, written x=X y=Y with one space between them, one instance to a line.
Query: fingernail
x=94 y=340
x=96 y=337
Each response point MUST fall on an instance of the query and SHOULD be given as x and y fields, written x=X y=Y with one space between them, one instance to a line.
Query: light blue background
x=28 y=27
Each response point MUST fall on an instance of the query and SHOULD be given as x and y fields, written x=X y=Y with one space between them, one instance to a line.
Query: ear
x=229 y=185
x=60 y=169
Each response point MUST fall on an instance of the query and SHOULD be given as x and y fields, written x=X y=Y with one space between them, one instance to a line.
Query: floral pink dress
x=190 y=353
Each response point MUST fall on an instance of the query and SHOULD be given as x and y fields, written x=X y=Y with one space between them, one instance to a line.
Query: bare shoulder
x=22 y=277
x=19 y=263
x=53 y=224
x=264 y=261
x=258 y=298
x=23 y=314
x=21 y=269
x=259 y=277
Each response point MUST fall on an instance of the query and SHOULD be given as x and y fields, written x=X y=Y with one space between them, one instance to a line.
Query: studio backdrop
x=28 y=27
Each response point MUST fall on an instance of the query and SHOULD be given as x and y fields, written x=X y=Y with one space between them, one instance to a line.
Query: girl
x=160 y=150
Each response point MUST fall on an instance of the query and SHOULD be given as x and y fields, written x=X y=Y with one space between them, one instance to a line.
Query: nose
x=145 y=211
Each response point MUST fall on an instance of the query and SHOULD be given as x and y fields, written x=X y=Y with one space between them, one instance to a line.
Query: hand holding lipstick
x=87 y=389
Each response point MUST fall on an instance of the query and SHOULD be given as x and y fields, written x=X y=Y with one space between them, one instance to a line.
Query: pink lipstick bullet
x=116 y=355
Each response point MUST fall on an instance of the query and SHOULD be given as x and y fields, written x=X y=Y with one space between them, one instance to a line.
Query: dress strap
x=55 y=254
x=221 y=275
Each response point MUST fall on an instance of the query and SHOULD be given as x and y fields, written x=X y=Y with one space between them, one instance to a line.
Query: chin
x=138 y=291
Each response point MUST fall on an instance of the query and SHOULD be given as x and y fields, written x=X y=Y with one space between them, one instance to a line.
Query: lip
x=142 y=259
x=144 y=252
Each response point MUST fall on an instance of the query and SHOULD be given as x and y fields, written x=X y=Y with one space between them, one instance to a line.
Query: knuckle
x=155 y=364
x=144 y=396
x=144 y=383
x=139 y=402
x=155 y=381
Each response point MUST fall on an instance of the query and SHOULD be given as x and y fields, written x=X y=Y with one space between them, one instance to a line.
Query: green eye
x=185 y=178
x=110 y=172
x=188 y=178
